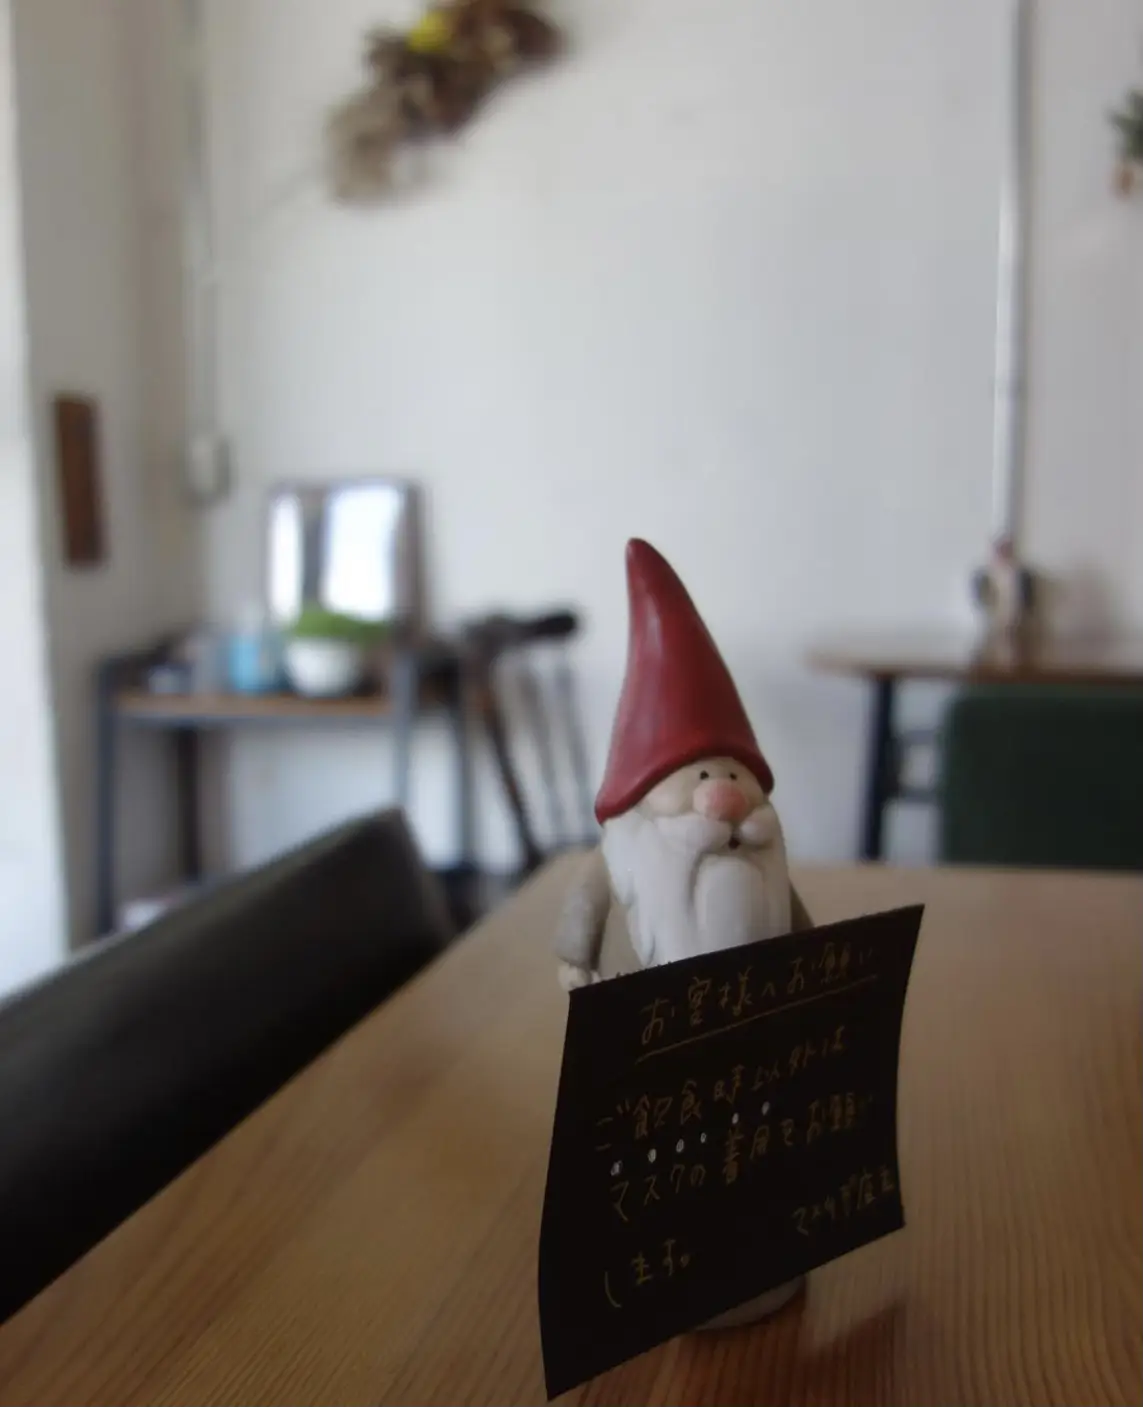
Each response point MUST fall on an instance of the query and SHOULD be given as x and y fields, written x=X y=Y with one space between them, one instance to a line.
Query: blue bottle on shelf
x=253 y=656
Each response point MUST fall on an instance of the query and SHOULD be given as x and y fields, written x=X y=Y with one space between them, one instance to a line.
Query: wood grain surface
x=370 y=1234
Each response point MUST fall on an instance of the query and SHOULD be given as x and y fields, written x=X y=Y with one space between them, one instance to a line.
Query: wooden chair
x=121 y=1069
x=547 y=714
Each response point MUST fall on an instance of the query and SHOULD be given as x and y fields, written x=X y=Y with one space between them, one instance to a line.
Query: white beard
x=686 y=893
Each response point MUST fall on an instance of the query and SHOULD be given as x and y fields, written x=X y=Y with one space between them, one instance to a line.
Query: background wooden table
x=422 y=680
x=887 y=662
x=370 y=1234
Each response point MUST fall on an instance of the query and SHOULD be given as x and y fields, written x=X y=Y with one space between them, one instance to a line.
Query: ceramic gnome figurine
x=692 y=857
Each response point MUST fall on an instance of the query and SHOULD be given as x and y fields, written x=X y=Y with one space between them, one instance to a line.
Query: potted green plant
x=326 y=651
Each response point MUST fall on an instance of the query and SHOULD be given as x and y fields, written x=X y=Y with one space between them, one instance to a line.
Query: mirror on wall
x=351 y=547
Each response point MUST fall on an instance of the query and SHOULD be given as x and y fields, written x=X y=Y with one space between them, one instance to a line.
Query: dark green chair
x=1043 y=776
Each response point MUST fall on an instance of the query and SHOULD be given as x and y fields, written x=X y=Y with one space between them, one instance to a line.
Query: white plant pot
x=323 y=669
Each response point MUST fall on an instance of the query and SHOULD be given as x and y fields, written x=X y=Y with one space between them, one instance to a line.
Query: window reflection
x=340 y=548
x=361 y=552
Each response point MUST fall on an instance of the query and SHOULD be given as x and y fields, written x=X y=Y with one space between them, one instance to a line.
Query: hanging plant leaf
x=362 y=134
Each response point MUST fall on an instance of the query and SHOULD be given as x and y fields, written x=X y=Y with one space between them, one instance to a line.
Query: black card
x=724 y=1124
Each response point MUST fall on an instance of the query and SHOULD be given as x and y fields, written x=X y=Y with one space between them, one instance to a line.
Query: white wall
x=98 y=231
x=32 y=935
x=1085 y=516
x=725 y=278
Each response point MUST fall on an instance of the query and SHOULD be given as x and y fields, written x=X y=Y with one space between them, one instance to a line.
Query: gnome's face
x=716 y=788
x=699 y=863
x=711 y=807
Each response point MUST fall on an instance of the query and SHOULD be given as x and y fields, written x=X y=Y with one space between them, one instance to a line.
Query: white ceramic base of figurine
x=760 y=1308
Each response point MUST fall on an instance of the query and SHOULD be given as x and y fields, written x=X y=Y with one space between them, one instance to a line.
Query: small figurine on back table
x=1004 y=591
x=692 y=858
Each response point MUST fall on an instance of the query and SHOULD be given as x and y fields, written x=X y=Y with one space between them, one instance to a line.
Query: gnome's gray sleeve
x=579 y=935
x=799 y=915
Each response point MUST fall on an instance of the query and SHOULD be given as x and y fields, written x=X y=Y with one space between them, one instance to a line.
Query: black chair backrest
x=547 y=713
x=125 y=1066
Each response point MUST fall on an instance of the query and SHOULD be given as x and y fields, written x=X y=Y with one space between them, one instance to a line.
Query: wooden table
x=887 y=661
x=370 y=1234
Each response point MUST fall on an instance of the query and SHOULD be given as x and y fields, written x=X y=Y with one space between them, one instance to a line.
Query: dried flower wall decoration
x=429 y=82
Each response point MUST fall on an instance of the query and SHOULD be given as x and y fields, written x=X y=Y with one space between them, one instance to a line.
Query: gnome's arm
x=582 y=921
x=799 y=915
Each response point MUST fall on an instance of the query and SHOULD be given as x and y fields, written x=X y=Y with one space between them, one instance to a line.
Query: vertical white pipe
x=1011 y=389
x=205 y=465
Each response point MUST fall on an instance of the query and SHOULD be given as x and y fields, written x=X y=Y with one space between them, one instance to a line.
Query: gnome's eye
x=734 y=776
x=703 y=776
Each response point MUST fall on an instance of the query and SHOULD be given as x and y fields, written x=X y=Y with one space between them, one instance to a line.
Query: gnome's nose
x=720 y=800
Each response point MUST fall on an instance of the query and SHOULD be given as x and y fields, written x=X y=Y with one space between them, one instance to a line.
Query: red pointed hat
x=679 y=703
